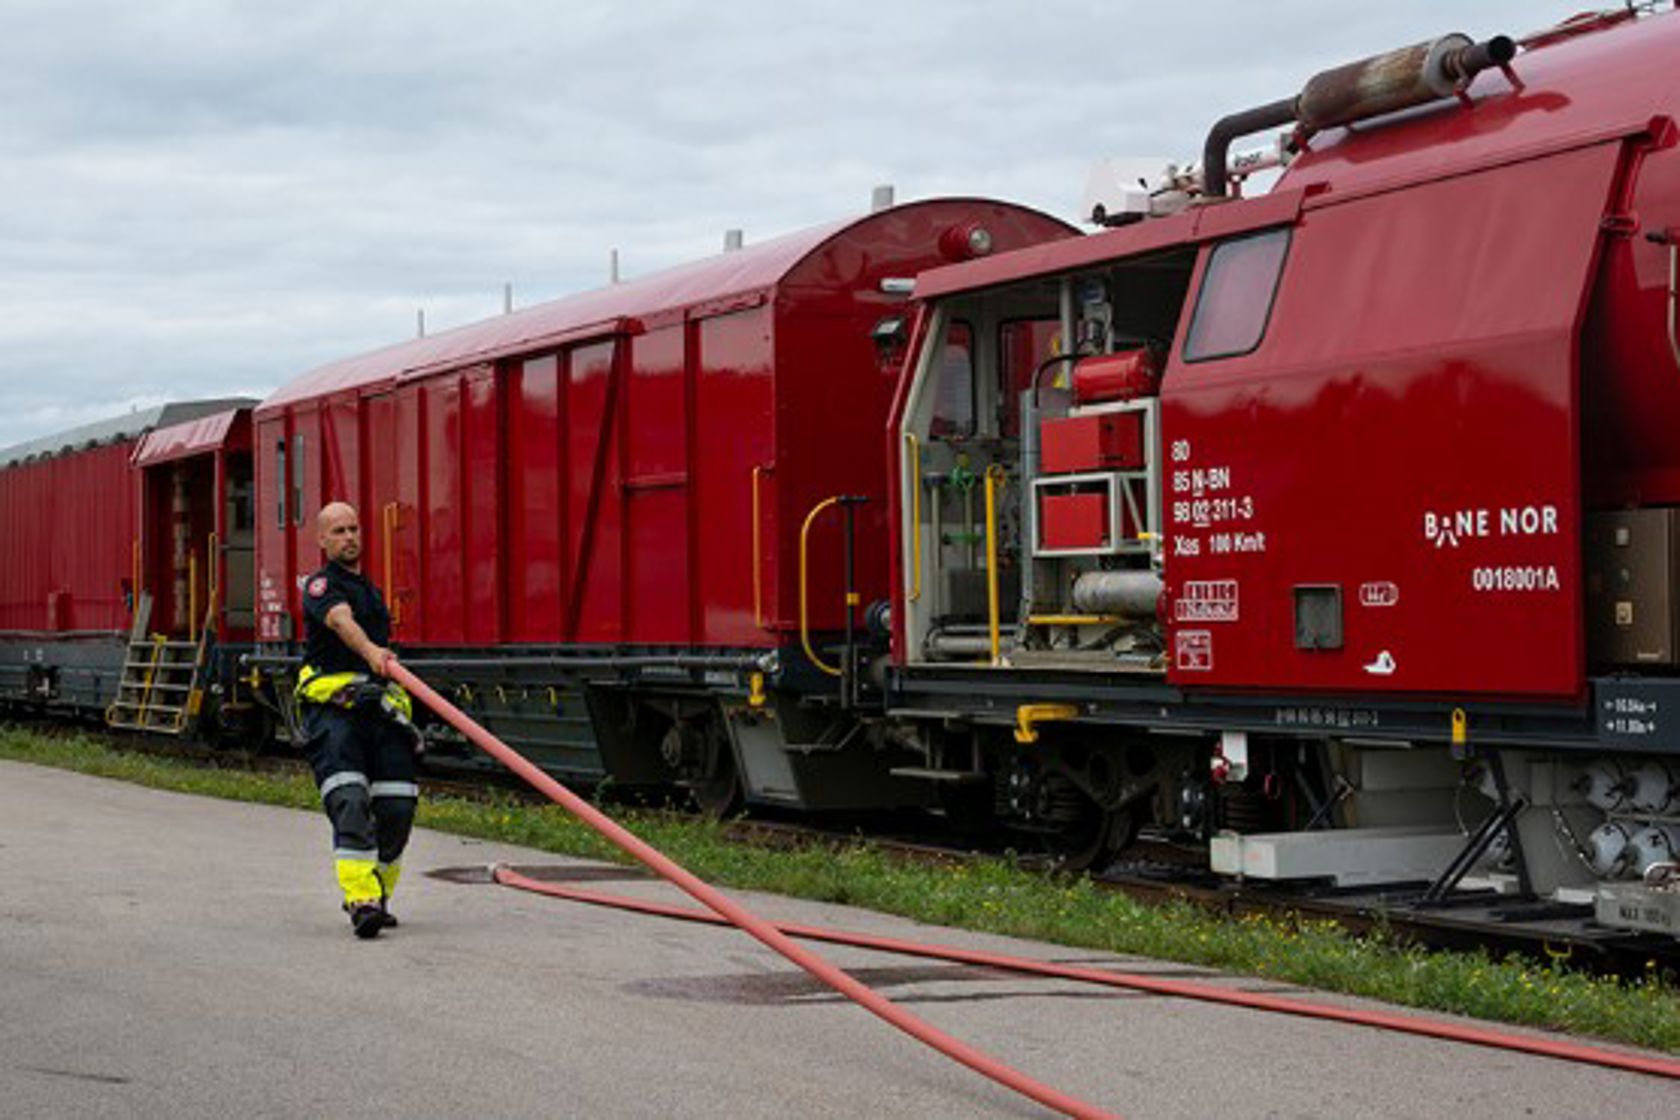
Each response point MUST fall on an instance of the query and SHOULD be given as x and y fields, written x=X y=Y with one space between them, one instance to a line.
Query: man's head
x=340 y=533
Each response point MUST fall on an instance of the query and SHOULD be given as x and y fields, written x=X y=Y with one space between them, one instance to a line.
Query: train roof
x=130 y=425
x=1575 y=85
x=711 y=282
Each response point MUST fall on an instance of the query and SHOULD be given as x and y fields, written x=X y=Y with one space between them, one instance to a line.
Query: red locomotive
x=1337 y=519
x=1335 y=526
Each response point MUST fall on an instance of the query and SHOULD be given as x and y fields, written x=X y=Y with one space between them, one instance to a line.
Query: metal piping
x=1227 y=129
x=1368 y=88
x=691 y=661
x=1126 y=592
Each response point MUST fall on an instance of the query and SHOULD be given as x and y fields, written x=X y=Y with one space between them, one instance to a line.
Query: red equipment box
x=1107 y=441
x=1068 y=521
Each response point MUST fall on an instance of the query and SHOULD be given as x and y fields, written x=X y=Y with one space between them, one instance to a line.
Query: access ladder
x=162 y=686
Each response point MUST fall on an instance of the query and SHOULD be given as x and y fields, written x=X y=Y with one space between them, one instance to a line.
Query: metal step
x=155 y=728
x=922 y=773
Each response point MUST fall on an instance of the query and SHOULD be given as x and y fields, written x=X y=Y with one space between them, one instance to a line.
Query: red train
x=1335 y=526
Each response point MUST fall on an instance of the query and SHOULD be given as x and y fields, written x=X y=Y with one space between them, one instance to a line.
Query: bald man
x=357 y=726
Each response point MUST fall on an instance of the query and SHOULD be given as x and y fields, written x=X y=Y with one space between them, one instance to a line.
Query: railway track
x=1157 y=871
x=1154 y=871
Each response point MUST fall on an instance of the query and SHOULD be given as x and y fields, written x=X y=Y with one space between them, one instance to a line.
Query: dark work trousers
x=364 y=765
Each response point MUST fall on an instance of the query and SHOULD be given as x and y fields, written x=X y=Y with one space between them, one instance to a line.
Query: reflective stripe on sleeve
x=394 y=789
x=343 y=778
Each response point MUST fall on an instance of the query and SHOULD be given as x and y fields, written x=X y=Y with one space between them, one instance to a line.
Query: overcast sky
x=206 y=199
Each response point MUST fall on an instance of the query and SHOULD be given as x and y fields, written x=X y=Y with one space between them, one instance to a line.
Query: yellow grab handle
x=1029 y=716
x=213 y=551
x=388 y=523
x=804 y=610
x=994 y=479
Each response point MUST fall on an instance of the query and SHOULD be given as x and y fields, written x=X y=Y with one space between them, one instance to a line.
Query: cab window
x=953 y=402
x=1235 y=300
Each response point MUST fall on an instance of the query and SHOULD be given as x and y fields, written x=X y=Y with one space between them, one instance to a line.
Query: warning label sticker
x=1206 y=600
x=1195 y=651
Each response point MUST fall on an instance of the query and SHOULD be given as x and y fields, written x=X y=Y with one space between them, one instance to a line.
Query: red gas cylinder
x=1117 y=377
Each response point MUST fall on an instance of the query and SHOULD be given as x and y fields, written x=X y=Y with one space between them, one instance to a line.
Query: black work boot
x=367 y=919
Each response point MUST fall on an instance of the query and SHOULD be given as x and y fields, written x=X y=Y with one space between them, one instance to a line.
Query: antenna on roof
x=420 y=322
x=507 y=298
x=612 y=267
x=881 y=198
x=733 y=239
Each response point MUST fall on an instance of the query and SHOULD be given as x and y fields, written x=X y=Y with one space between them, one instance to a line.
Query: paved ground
x=170 y=956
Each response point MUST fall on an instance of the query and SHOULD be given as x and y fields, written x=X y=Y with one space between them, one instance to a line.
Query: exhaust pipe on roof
x=1383 y=83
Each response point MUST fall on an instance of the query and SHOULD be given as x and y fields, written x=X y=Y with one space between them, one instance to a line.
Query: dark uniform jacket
x=324 y=651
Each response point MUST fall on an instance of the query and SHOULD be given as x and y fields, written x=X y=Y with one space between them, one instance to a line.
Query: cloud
x=207 y=198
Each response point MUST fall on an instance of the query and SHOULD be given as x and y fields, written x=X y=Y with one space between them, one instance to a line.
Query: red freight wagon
x=627 y=469
x=70 y=553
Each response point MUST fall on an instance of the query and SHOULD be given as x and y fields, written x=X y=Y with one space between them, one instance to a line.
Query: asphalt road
x=171 y=956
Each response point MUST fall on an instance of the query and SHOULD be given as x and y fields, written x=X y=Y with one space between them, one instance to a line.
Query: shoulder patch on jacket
x=318 y=587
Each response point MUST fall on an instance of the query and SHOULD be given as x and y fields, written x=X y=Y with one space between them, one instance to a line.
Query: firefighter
x=358 y=727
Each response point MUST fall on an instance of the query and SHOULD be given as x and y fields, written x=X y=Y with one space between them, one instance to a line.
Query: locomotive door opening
x=1031 y=437
x=238 y=547
x=179 y=511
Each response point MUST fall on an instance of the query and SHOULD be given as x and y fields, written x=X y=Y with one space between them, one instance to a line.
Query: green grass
x=994 y=896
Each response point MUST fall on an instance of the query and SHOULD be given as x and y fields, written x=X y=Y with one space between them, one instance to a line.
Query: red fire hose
x=1182 y=989
x=737 y=915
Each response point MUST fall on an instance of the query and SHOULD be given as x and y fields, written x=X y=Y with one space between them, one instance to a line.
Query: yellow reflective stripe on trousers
x=320 y=688
x=359 y=879
x=388 y=874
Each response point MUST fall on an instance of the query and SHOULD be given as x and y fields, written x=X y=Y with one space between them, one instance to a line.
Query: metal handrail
x=212 y=577
x=388 y=525
x=192 y=596
x=757 y=551
x=804 y=571
x=915 y=515
x=994 y=479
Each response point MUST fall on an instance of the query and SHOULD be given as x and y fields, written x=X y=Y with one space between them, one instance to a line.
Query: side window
x=297 y=479
x=280 y=478
x=953 y=405
x=1235 y=300
x=1024 y=346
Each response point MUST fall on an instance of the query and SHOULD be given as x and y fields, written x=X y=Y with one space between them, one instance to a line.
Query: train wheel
x=1066 y=823
x=1095 y=840
x=718 y=793
x=704 y=762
